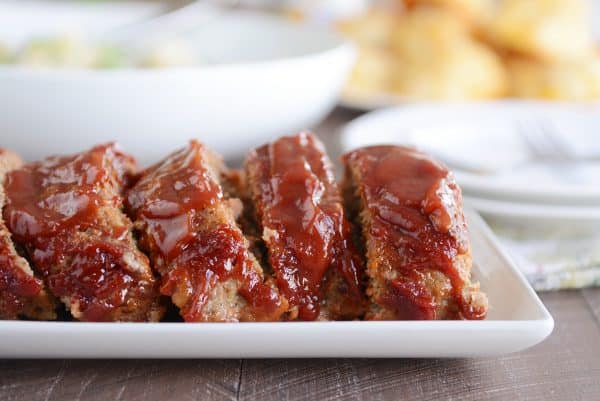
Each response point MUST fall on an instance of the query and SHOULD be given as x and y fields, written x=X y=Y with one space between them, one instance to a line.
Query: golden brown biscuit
x=552 y=30
x=372 y=29
x=578 y=80
x=474 y=12
x=436 y=58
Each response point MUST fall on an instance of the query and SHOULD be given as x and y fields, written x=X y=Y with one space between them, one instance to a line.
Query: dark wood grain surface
x=564 y=367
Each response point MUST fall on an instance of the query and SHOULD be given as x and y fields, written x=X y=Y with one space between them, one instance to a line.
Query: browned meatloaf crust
x=187 y=224
x=21 y=293
x=309 y=242
x=417 y=246
x=66 y=213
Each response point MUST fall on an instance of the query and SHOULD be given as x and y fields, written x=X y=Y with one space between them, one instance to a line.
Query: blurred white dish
x=535 y=214
x=266 y=77
x=482 y=144
x=21 y=19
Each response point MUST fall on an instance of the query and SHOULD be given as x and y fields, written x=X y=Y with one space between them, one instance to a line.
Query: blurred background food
x=551 y=30
x=475 y=49
x=408 y=49
x=74 y=51
x=427 y=54
x=66 y=51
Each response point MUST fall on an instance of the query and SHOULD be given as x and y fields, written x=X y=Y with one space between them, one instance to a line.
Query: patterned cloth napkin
x=555 y=257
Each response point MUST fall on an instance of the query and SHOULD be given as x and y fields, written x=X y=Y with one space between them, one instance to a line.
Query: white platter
x=484 y=137
x=517 y=320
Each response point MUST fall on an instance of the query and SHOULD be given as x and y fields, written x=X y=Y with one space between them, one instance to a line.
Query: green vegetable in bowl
x=169 y=53
x=5 y=54
x=71 y=51
x=63 y=51
x=110 y=56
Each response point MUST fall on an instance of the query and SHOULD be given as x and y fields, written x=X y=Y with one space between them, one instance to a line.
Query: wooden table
x=564 y=367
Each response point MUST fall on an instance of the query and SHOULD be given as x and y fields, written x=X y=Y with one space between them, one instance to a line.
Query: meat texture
x=187 y=224
x=21 y=293
x=416 y=241
x=298 y=209
x=66 y=213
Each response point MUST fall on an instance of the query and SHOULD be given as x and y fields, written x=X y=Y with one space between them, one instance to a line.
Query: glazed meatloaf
x=298 y=209
x=66 y=213
x=416 y=240
x=187 y=224
x=21 y=293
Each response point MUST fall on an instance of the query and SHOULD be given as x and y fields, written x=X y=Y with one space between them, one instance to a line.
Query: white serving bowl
x=272 y=78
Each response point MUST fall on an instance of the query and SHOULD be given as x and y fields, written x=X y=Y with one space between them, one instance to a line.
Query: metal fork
x=176 y=19
x=546 y=145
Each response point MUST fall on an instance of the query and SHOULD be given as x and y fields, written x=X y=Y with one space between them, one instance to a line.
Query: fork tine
x=552 y=137
x=551 y=153
x=531 y=139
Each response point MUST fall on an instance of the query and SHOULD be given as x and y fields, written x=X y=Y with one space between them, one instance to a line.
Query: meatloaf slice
x=299 y=211
x=417 y=245
x=66 y=213
x=187 y=224
x=21 y=293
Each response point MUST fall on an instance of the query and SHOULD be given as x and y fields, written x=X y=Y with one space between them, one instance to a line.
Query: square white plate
x=517 y=320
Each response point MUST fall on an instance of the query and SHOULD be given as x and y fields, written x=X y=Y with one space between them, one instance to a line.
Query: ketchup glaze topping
x=65 y=211
x=15 y=284
x=416 y=209
x=178 y=204
x=303 y=222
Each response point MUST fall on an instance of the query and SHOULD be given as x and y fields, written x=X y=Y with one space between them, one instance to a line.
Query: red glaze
x=167 y=196
x=15 y=285
x=57 y=210
x=63 y=193
x=175 y=201
x=417 y=209
x=307 y=232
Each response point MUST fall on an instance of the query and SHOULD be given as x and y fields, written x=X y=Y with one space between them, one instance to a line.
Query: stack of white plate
x=519 y=162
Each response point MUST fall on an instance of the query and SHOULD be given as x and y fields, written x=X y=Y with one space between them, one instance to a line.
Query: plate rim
x=470 y=182
x=532 y=210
